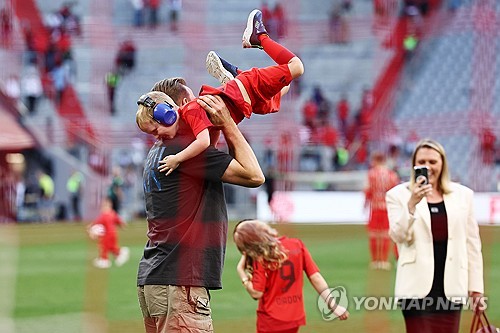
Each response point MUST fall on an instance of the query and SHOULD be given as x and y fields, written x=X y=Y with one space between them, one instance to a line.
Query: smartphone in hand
x=421 y=171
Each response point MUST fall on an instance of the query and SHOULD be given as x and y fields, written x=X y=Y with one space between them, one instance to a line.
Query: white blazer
x=415 y=270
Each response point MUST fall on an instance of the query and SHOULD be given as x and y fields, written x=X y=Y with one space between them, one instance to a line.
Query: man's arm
x=244 y=169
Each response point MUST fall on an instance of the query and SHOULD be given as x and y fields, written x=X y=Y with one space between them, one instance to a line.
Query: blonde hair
x=144 y=114
x=260 y=243
x=444 y=178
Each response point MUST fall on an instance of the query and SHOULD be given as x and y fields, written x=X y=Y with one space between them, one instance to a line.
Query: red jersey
x=282 y=304
x=380 y=180
x=109 y=219
x=263 y=86
x=195 y=117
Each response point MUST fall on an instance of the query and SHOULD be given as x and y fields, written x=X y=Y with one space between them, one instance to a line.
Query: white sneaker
x=102 y=263
x=216 y=68
x=123 y=257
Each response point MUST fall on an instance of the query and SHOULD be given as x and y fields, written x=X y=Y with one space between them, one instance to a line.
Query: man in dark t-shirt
x=187 y=223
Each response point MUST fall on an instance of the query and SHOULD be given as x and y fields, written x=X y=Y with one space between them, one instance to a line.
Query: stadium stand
x=435 y=94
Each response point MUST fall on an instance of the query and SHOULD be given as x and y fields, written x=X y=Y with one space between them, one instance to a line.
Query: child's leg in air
x=265 y=86
x=256 y=35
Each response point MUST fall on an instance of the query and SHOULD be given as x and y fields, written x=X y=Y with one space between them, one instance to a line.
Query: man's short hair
x=174 y=87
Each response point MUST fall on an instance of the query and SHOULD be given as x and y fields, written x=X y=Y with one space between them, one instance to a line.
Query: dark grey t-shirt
x=187 y=219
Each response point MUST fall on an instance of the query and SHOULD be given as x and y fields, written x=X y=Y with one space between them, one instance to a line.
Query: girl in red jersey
x=104 y=229
x=271 y=270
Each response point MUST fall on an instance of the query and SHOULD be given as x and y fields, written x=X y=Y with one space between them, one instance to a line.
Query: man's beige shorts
x=175 y=309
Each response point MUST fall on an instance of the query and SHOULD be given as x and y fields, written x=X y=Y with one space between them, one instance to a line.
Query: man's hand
x=216 y=110
x=244 y=169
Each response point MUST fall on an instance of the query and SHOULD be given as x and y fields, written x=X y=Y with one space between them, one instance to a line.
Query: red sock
x=280 y=54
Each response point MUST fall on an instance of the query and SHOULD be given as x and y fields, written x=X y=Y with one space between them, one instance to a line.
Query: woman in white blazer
x=440 y=262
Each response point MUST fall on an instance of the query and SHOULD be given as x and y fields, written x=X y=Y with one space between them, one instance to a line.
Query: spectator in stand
x=363 y=118
x=269 y=165
x=51 y=57
x=328 y=137
x=31 y=87
x=488 y=145
x=115 y=190
x=272 y=269
x=70 y=21
x=410 y=43
x=60 y=78
x=138 y=6
x=338 y=31
x=63 y=47
x=380 y=180
x=46 y=203
x=153 y=6
x=175 y=12
x=347 y=5
x=74 y=185
x=361 y=153
x=125 y=58
x=341 y=158
x=343 y=109
x=317 y=95
x=310 y=113
x=280 y=18
x=322 y=103
x=112 y=79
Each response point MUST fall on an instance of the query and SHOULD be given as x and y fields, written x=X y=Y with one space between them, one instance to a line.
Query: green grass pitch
x=48 y=284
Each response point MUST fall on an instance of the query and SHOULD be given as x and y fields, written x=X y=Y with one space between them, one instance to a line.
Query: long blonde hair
x=260 y=243
x=444 y=178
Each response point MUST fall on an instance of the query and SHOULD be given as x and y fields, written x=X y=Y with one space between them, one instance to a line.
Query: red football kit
x=380 y=180
x=282 y=304
x=108 y=242
x=263 y=86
